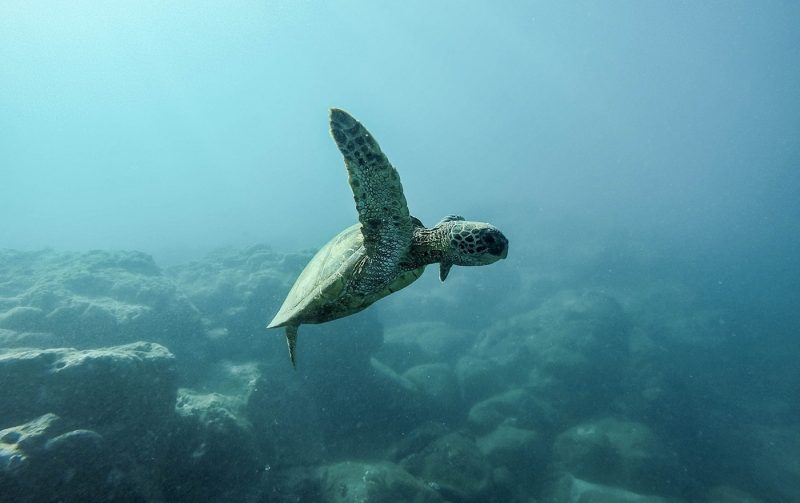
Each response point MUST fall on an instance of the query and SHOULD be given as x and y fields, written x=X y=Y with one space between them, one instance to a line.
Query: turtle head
x=474 y=243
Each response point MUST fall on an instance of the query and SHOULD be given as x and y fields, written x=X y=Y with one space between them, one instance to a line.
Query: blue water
x=641 y=158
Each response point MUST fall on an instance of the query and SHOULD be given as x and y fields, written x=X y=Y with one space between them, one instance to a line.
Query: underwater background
x=166 y=172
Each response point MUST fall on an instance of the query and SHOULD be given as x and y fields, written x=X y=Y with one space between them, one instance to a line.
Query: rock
x=339 y=349
x=620 y=453
x=517 y=407
x=213 y=453
x=131 y=386
x=386 y=374
x=334 y=360
x=285 y=422
x=300 y=416
x=569 y=489
x=20 y=441
x=568 y=350
x=774 y=463
x=413 y=343
x=518 y=458
x=291 y=484
x=238 y=292
x=419 y=438
x=455 y=464
x=478 y=378
x=13 y=339
x=11 y=461
x=75 y=445
x=234 y=379
x=40 y=461
x=521 y=451
x=22 y=317
x=727 y=494
x=469 y=299
x=354 y=425
x=96 y=298
x=372 y=483
x=437 y=384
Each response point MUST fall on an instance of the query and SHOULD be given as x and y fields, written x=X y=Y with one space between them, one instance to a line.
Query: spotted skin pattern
x=386 y=251
x=382 y=210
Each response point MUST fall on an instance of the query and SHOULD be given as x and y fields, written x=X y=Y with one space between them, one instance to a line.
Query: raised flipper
x=386 y=224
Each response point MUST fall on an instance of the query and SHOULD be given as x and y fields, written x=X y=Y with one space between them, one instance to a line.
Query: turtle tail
x=291 y=341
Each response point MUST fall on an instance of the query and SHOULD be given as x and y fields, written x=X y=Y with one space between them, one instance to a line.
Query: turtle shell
x=321 y=291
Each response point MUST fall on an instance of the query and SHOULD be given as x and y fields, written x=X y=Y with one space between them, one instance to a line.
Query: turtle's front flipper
x=385 y=222
x=291 y=341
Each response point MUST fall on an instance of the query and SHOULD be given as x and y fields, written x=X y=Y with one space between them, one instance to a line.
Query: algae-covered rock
x=286 y=427
x=419 y=438
x=213 y=453
x=728 y=494
x=91 y=404
x=22 y=318
x=516 y=406
x=14 y=339
x=18 y=442
x=292 y=484
x=456 y=465
x=373 y=483
x=521 y=451
x=518 y=458
x=422 y=342
x=774 y=463
x=478 y=378
x=570 y=489
x=129 y=386
x=42 y=460
x=437 y=384
x=237 y=292
x=620 y=453
x=97 y=298
x=568 y=350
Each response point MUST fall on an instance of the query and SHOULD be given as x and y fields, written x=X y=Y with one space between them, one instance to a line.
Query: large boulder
x=728 y=494
x=91 y=299
x=568 y=350
x=238 y=292
x=455 y=465
x=438 y=386
x=620 y=453
x=131 y=386
x=478 y=378
x=89 y=404
x=518 y=457
x=14 y=339
x=520 y=450
x=212 y=450
x=423 y=342
x=285 y=421
x=569 y=489
x=518 y=407
x=773 y=464
x=43 y=460
x=372 y=483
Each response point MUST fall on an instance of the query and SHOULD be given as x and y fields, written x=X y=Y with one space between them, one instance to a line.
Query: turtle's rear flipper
x=291 y=341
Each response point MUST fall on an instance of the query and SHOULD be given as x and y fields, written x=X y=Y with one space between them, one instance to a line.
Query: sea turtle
x=386 y=251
